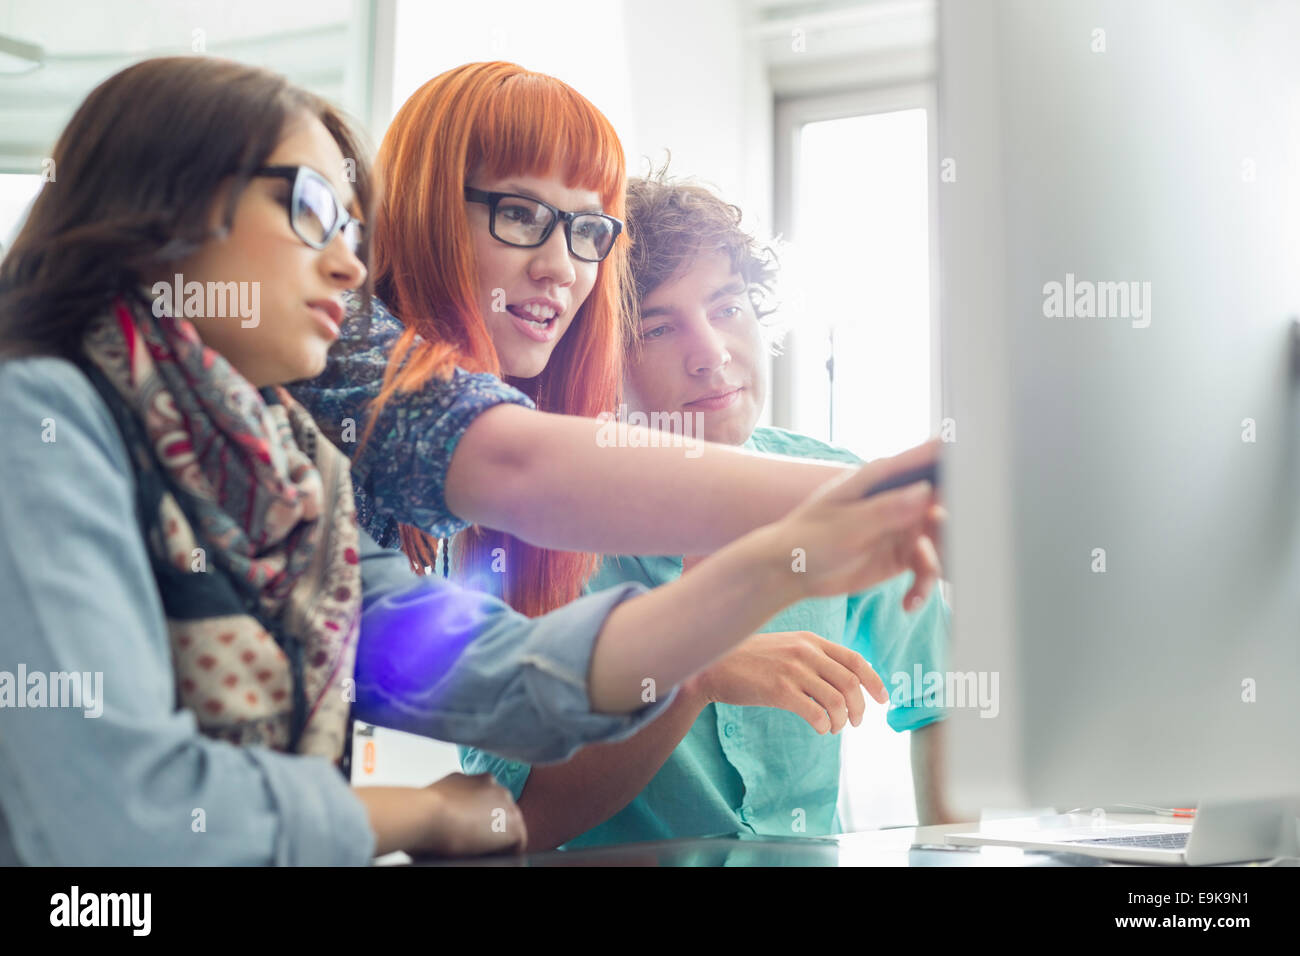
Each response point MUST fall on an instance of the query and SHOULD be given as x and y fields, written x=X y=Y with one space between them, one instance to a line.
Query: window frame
x=791 y=115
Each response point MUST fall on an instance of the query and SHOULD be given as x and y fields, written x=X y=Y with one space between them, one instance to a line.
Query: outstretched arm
x=576 y=484
x=431 y=654
x=835 y=542
x=473 y=450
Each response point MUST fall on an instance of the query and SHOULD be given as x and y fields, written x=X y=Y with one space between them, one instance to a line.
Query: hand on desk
x=457 y=816
x=476 y=815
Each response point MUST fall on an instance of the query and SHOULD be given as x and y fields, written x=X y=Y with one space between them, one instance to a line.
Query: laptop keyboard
x=1148 y=841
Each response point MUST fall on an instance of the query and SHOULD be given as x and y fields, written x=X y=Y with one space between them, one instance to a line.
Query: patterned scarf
x=249 y=518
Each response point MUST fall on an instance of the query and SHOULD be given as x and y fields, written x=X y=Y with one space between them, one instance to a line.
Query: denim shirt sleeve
x=400 y=474
x=438 y=660
x=123 y=787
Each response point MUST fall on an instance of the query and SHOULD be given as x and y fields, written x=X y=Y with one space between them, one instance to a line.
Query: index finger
x=863 y=671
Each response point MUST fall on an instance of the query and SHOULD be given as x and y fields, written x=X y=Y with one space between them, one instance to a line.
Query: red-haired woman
x=498 y=255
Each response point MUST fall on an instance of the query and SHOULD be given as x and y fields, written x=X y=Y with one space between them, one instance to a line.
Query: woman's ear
x=221 y=216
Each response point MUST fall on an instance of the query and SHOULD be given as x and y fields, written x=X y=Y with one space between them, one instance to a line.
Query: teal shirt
x=762 y=769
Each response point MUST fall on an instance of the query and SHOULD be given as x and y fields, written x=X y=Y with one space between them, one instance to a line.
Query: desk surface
x=900 y=846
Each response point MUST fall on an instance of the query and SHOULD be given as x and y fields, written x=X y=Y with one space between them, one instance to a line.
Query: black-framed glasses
x=316 y=214
x=524 y=221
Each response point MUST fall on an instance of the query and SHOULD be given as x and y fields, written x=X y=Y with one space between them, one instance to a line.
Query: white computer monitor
x=1119 y=213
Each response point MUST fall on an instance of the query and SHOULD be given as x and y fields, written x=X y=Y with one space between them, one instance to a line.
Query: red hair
x=502 y=120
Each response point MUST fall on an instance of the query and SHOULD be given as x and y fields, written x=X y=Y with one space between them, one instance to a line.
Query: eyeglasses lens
x=316 y=212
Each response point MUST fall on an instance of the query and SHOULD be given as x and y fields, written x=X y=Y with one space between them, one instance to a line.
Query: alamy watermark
x=75 y=908
x=947 y=689
x=653 y=430
x=1084 y=299
x=72 y=689
x=218 y=300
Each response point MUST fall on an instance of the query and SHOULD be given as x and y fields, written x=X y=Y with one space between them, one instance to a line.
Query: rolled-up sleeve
x=511 y=774
x=900 y=646
x=442 y=661
x=138 y=784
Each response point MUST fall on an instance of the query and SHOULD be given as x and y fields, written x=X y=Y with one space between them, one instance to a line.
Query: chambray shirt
x=400 y=474
x=77 y=594
x=753 y=769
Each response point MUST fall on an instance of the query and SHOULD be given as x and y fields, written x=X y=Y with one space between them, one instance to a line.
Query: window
x=17 y=190
x=862 y=225
x=861 y=361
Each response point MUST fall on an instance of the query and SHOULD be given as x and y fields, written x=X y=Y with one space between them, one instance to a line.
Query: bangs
x=533 y=124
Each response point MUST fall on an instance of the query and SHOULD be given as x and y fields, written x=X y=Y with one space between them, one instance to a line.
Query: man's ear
x=773 y=335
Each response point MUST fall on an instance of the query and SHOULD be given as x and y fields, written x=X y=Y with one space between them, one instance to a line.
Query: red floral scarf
x=252 y=534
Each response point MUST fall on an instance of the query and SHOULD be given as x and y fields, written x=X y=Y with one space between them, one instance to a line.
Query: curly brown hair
x=671 y=222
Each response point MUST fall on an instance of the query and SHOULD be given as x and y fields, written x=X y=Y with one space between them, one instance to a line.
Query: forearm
x=670 y=633
x=441 y=661
x=561 y=801
x=607 y=496
x=927 y=776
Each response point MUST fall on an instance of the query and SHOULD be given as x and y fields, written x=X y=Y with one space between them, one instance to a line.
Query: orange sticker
x=368 y=757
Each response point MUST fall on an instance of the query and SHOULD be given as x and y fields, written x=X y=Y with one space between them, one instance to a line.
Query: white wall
x=698 y=90
x=577 y=41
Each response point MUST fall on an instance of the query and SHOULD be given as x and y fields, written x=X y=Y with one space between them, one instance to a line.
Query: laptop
x=1158 y=843
x=1231 y=832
